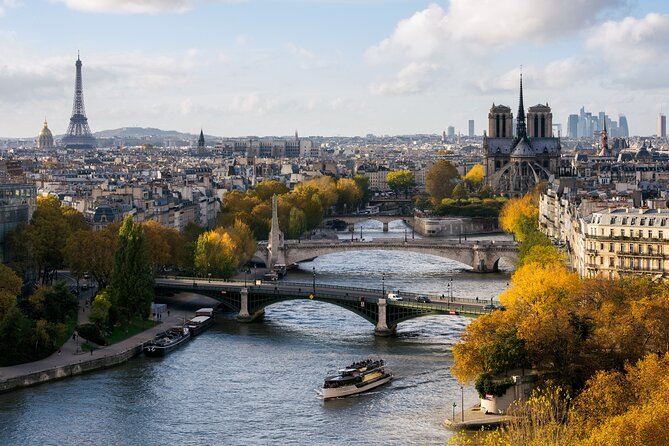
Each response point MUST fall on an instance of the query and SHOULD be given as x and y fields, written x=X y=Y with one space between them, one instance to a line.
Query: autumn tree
x=440 y=180
x=166 y=245
x=401 y=180
x=475 y=176
x=92 y=252
x=349 y=195
x=214 y=255
x=100 y=308
x=131 y=286
x=362 y=182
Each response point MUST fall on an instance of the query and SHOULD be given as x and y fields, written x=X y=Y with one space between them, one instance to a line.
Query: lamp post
x=246 y=271
x=451 y=288
x=462 y=402
x=313 y=271
x=383 y=285
x=255 y=273
x=405 y=235
x=360 y=232
x=453 y=416
x=209 y=277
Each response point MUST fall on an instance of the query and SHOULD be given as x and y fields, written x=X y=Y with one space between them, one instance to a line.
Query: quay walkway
x=70 y=360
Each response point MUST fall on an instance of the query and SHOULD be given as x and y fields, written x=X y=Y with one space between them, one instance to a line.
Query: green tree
x=131 y=287
x=10 y=287
x=297 y=225
x=349 y=195
x=363 y=186
x=401 y=180
x=100 y=310
x=459 y=192
x=16 y=335
x=440 y=180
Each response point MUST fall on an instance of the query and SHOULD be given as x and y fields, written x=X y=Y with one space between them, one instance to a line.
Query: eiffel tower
x=78 y=133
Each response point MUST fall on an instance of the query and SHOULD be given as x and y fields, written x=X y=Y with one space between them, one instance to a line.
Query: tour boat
x=357 y=378
x=204 y=317
x=167 y=341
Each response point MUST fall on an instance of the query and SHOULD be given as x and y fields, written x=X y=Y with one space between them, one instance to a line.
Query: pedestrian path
x=71 y=353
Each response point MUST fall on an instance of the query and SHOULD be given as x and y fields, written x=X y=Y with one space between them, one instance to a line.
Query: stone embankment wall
x=86 y=364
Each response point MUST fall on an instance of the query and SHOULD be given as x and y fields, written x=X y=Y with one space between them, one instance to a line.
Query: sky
x=328 y=67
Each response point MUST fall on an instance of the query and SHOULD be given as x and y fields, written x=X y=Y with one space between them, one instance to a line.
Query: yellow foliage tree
x=475 y=175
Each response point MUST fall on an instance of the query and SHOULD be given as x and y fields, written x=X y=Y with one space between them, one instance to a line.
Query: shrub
x=486 y=385
x=92 y=333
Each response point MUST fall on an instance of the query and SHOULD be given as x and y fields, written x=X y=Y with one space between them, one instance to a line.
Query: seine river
x=255 y=384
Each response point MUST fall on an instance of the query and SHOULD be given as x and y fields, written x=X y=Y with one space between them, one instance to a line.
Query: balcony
x=654 y=255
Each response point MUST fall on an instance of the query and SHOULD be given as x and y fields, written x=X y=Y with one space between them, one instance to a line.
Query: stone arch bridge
x=482 y=256
x=352 y=219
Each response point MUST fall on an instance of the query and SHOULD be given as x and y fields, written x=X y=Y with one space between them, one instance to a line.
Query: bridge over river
x=249 y=300
x=482 y=256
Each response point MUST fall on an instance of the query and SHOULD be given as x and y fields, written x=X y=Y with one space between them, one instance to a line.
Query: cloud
x=633 y=40
x=413 y=78
x=130 y=6
x=486 y=25
x=8 y=4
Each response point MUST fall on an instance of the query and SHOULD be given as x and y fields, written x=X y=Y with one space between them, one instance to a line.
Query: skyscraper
x=572 y=126
x=78 y=133
x=451 y=131
x=471 y=128
x=623 y=129
x=662 y=125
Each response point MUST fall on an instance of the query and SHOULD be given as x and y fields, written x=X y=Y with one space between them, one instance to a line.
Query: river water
x=248 y=384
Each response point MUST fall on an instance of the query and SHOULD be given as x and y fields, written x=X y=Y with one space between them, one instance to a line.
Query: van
x=394 y=297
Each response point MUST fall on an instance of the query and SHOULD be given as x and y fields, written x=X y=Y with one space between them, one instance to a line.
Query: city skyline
x=257 y=67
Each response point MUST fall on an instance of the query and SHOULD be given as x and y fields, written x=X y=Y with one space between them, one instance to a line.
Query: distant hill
x=146 y=132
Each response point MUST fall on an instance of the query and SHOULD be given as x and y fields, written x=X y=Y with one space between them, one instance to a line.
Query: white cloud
x=636 y=41
x=485 y=25
x=8 y=4
x=413 y=78
x=131 y=6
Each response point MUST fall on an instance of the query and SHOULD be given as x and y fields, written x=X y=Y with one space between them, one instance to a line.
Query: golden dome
x=45 y=138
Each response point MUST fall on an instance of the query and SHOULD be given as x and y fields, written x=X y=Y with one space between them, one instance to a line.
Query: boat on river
x=357 y=378
x=203 y=319
x=167 y=341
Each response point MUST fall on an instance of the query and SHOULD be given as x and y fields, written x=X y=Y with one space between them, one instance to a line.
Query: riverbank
x=474 y=420
x=71 y=360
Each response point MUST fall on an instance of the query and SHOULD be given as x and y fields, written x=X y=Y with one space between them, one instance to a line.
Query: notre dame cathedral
x=513 y=165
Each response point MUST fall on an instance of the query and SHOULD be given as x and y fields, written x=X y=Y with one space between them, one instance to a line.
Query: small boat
x=203 y=319
x=357 y=378
x=167 y=341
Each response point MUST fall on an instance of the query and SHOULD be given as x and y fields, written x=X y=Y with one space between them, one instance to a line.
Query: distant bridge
x=352 y=219
x=482 y=256
x=250 y=300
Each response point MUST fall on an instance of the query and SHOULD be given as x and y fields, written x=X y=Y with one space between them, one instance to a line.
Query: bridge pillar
x=385 y=226
x=382 y=328
x=244 y=315
x=244 y=306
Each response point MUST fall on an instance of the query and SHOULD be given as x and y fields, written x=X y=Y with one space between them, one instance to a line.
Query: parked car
x=423 y=299
x=488 y=307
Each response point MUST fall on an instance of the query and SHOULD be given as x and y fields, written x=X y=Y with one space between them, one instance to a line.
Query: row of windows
x=627 y=263
x=631 y=248
x=622 y=232
x=642 y=220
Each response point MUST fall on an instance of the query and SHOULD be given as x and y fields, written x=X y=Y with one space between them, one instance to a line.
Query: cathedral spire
x=521 y=128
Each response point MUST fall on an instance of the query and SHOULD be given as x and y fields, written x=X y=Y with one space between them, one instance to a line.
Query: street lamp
x=209 y=277
x=451 y=288
x=462 y=402
x=246 y=271
x=383 y=285
x=255 y=273
x=453 y=416
x=361 y=232
x=313 y=271
x=405 y=235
